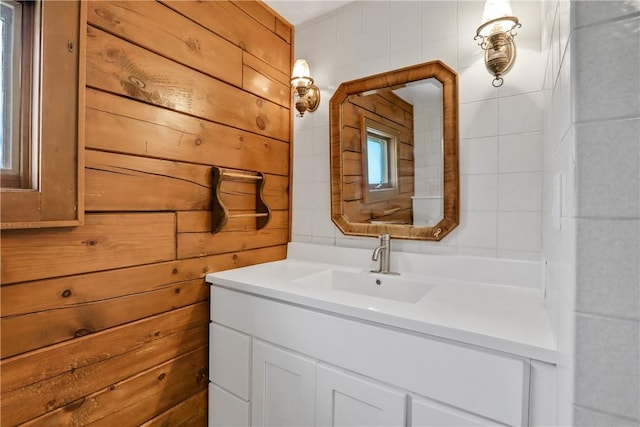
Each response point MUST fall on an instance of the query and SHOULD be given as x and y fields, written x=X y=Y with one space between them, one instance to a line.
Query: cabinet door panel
x=429 y=414
x=345 y=400
x=226 y=410
x=229 y=360
x=283 y=387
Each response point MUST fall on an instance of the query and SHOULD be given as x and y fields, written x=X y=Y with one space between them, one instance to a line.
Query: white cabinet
x=282 y=392
x=229 y=356
x=344 y=400
x=226 y=410
x=286 y=365
x=425 y=413
x=229 y=359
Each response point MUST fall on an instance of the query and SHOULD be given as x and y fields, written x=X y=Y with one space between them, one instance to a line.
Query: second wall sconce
x=495 y=37
x=302 y=82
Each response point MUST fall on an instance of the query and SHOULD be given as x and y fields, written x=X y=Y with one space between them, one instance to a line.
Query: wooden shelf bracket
x=219 y=212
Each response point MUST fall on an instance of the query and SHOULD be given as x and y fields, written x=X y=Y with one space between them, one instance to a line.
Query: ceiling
x=299 y=11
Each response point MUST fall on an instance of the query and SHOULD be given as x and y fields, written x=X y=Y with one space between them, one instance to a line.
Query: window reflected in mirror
x=378 y=161
x=379 y=149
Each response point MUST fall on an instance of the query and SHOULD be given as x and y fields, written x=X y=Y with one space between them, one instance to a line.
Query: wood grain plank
x=396 y=100
x=235 y=25
x=382 y=107
x=265 y=81
x=119 y=124
x=407 y=185
x=259 y=12
x=117 y=182
x=19 y=207
x=105 y=241
x=68 y=291
x=31 y=331
x=351 y=139
x=265 y=68
x=351 y=187
x=191 y=411
x=405 y=151
x=406 y=168
x=200 y=244
x=136 y=399
x=48 y=381
x=200 y=222
x=275 y=193
x=159 y=29
x=123 y=68
x=352 y=163
x=284 y=30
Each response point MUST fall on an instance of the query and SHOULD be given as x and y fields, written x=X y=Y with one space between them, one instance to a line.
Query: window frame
x=371 y=193
x=19 y=174
x=56 y=198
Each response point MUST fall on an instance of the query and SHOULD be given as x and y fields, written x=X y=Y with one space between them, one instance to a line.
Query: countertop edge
x=544 y=354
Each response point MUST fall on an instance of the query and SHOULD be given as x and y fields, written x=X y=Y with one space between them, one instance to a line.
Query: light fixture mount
x=495 y=37
x=308 y=100
x=308 y=93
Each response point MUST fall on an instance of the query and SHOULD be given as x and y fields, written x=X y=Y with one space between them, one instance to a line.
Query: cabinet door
x=345 y=400
x=282 y=387
x=226 y=410
x=229 y=356
x=430 y=414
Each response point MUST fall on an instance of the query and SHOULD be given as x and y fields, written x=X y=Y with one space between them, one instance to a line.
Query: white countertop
x=489 y=314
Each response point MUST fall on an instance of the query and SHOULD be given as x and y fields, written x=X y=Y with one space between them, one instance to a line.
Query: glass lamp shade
x=301 y=76
x=493 y=11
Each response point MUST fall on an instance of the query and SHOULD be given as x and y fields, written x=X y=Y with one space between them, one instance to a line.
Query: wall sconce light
x=302 y=82
x=495 y=37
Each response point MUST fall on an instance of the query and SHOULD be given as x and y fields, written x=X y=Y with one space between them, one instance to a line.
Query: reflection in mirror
x=379 y=161
x=426 y=98
x=394 y=153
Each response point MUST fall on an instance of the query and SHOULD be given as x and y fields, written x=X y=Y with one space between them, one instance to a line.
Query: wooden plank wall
x=387 y=108
x=107 y=323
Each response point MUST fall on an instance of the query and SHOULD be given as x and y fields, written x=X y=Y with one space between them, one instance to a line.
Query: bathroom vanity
x=317 y=339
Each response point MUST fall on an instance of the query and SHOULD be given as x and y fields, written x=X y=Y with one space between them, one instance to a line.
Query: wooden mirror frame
x=451 y=186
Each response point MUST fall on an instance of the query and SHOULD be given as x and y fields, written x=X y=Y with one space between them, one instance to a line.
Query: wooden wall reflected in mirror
x=375 y=153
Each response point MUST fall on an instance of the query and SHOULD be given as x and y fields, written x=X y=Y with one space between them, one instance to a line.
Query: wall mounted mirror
x=394 y=153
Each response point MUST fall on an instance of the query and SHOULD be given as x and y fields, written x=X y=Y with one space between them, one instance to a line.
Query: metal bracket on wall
x=219 y=212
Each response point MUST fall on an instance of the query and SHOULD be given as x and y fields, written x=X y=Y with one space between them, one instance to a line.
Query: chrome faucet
x=383 y=254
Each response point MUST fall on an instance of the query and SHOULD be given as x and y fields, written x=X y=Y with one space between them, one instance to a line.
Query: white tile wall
x=591 y=136
x=569 y=107
x=608 y=168
x=607 y=367
x=500 y=184
x=520 y=153
x=478 y=156
x=520 y=113
x=520 y=231
x=588 y=417
x=609 y=279
x=482 y=192
x=479 y=119
x=598 y=99
x=520 y=191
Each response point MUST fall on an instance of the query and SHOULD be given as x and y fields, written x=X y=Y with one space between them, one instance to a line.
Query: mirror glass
x=394 y=153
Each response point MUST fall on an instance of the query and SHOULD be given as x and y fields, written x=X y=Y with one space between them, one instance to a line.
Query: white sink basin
x=385 y=286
